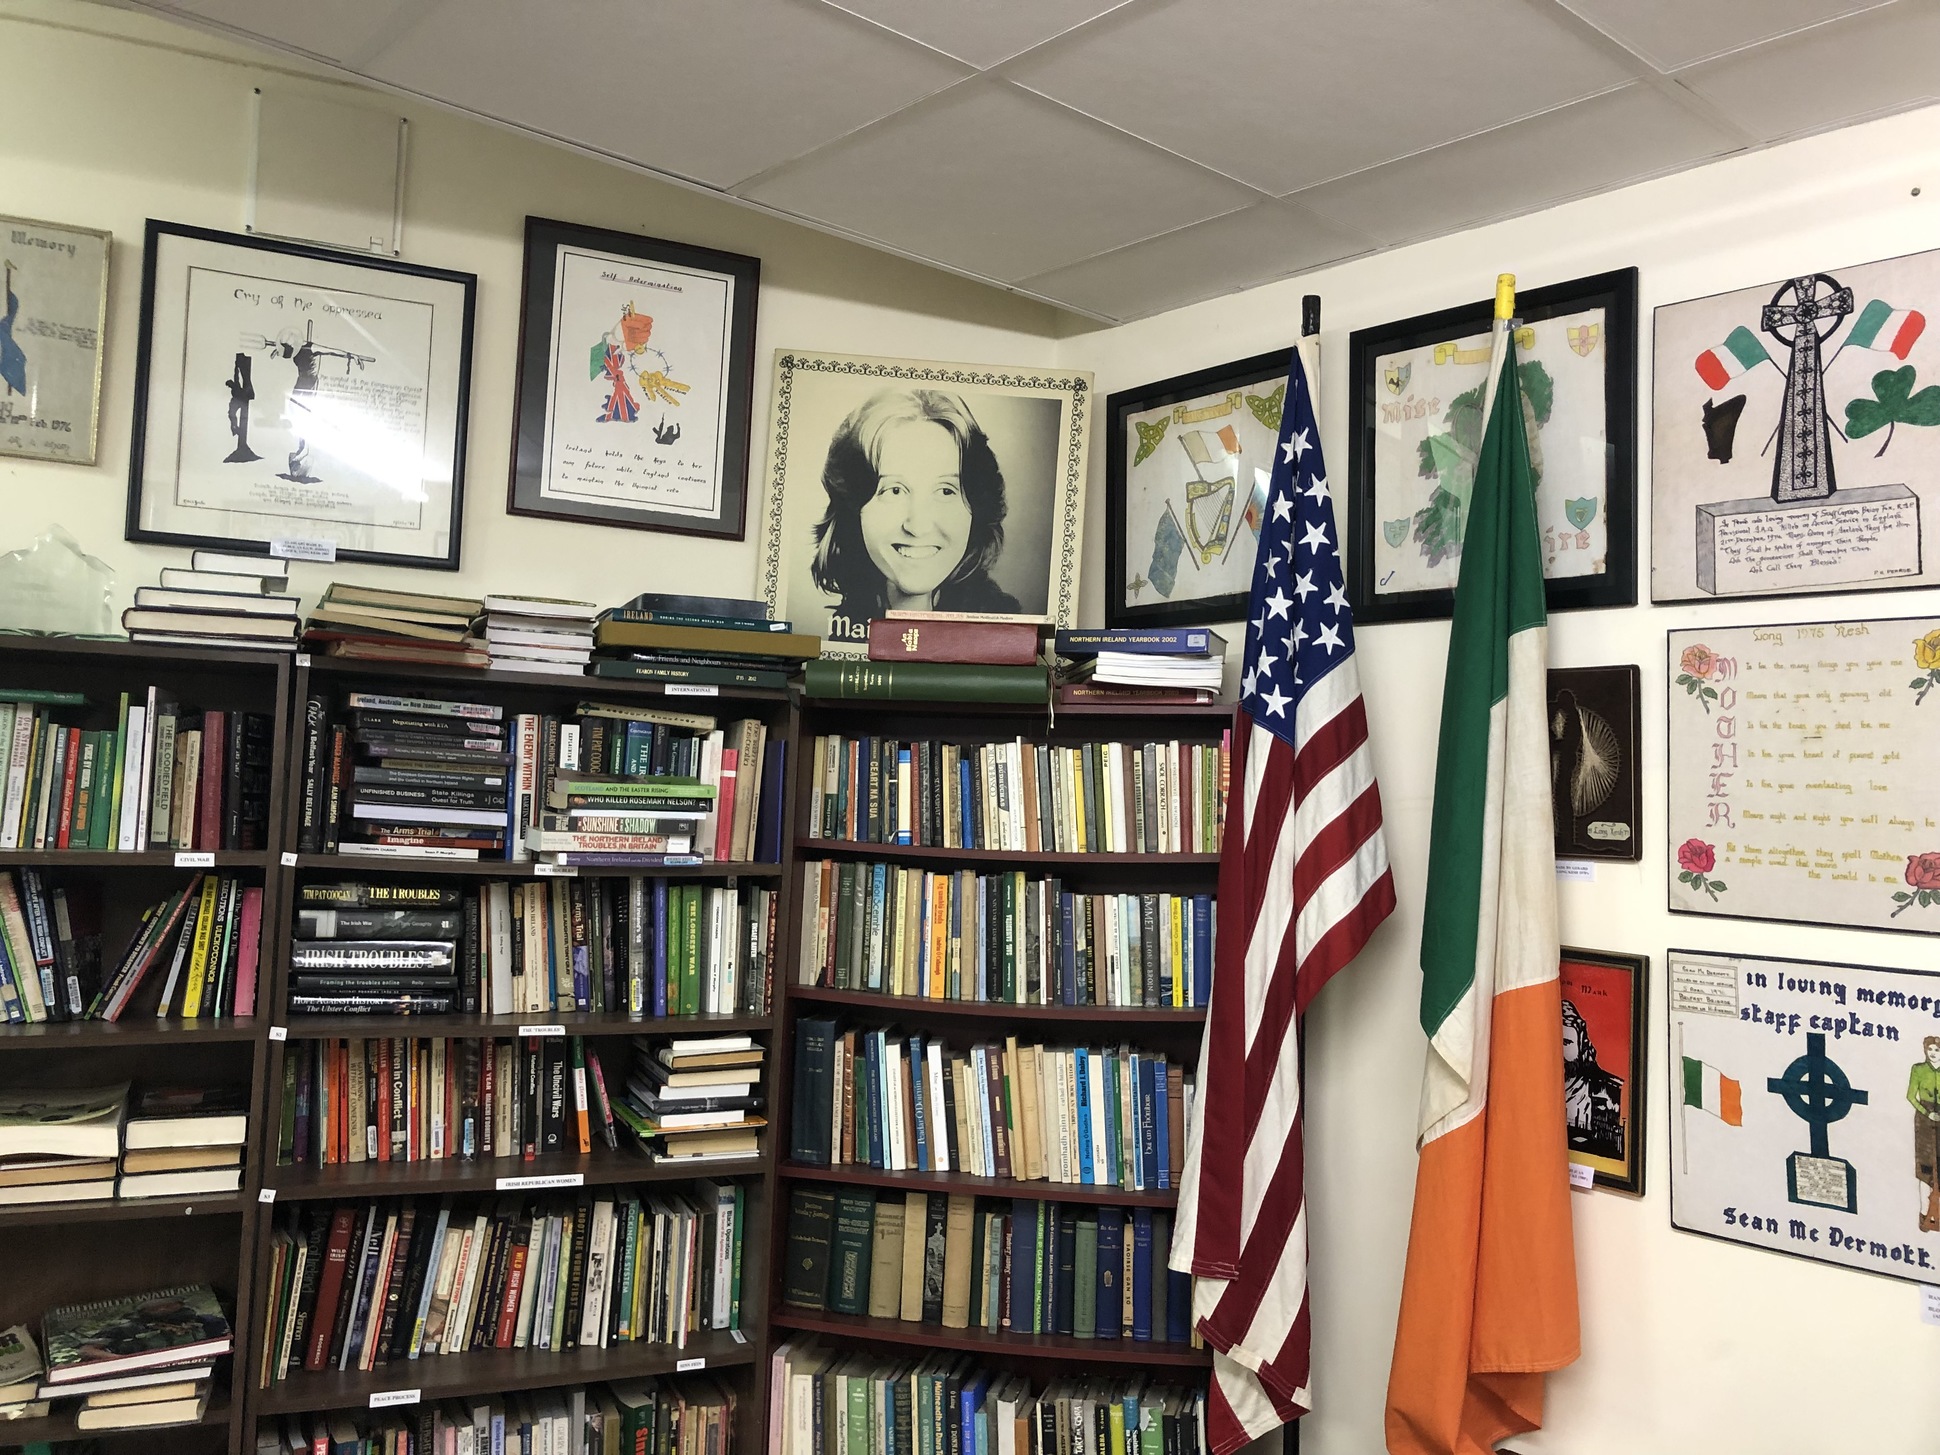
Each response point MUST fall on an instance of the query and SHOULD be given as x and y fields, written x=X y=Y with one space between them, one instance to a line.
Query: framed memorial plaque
x=1596 y=790
x=50 y=339
x=1603 y=1064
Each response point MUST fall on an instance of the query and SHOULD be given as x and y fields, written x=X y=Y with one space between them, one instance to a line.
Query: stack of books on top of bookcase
x=378 y=624
x=139 y=1362
x=1140 y=666
x=540 y=634
x=699 y=642
x=225 y=600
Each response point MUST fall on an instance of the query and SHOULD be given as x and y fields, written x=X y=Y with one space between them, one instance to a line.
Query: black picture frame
x=1616 y=293
x=1261 y=369
x=524 y=489
x=1636 y=1101
x=147 y=376
x=1593 y=744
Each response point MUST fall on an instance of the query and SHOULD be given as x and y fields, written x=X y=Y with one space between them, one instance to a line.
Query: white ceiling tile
x=1589 y=147
x=1884 y=60
x=337 y=29
x=1285 y=93
x=1255 y=245
x=982 y=32
x=715 y=92
x=998 y=182
x=1674 y=33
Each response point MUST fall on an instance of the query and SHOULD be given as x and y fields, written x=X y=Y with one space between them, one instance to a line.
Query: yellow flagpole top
x=1505 y=295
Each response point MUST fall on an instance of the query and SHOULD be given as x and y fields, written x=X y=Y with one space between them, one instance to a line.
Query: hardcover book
x=120 y=1335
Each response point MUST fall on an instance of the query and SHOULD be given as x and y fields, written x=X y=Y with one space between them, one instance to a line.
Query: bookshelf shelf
x=576 y=1023
x=602 y=1167
x=844 y=1328
x=1211 y=713
x=57 y=1427
x=361 y=864
x=919 y=1007
x=910 y=853
x=132 y=1030
x=964 y=1182
x=489 y=680
x=499 y=1371
x=149 y=859
x=119 y=1210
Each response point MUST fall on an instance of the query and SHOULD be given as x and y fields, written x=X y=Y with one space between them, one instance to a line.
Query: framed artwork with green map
x=1187 y=462
x=1414 y=427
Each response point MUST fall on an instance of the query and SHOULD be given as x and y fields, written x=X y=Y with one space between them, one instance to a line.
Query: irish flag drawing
x=1884 y=327
x=1718 y=365
x=1709 y=1089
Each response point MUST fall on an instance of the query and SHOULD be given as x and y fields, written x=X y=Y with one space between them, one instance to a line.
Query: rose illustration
x=1697 y=664
x=1926 y=656
x=1923 y=881
x=1696 y=859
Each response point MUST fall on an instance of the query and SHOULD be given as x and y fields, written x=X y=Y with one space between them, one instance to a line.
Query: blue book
x=1148 y=1125
x=514 y=828
x=872 y=1071
x=1178 y=1306
x=902 y=767
x=1024 y=1213
x=1109 y=1170
x=1111 y=1272
x=1202 y=950
x=920 y=1093
x=967 y=827
x=968 y=1405
x=878 y=891
x=767 y=835
x=1081 y=1112
x=1067 y=953
x=1142 y=1273
x=658 y=938
x=1161 y=1129
x=1183 y=641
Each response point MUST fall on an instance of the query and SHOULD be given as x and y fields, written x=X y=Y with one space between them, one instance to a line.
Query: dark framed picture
x=1187 y=463
x=1415 y=427
x=1595 y=789
x=636 y=366
x=1604 y=1105
x=288 y=392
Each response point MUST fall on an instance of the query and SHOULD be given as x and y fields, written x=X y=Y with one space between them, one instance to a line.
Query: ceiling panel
x=982 y=32
x=1255 y=245
x=996 y=181
x=1285 y=93
x=337 y=29
x=1869 y=64
x=1588 y=147
x=1674 y=33
x=715 y=93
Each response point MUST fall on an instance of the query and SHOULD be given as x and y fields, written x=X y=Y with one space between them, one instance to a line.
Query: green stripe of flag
x=1693 y=1082
x=1743 y=345
x=1872 y=318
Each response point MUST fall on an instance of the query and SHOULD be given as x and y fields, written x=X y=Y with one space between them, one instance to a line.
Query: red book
x=487 y=1098
x=252 y=932
x=508 y=1309
x=336 y=1255
x=68 y=772
x=724 y=804
x=207 y=833
x=953 y=639
x=381 y=1113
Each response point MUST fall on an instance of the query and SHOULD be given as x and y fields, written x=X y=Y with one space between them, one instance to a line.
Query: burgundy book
x=336 y=1257
x=206 y=832
x=943 y=639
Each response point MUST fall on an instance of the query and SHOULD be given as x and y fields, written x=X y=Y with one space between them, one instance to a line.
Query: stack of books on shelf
x=1083 y=1116
x=692 y=1417
x=539 y=634
x=374 y=624
x=694 y=1098
x=363 y=1286
x=224 y=599
x=184 y=1142
x=138 y=1363
x=1002 y=1265
x=1140 y=666
x=929 y=657
x=203 y=938
x=699 y=642
x=424 y=1099
x=163 y=777
x=826 y=1399
x=20 y=1371
x=60 y=1146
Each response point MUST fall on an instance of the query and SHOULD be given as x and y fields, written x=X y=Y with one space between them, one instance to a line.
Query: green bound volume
x=811 y=1219
x=924 y=681
x=1084 y=1301
x=849 y=1254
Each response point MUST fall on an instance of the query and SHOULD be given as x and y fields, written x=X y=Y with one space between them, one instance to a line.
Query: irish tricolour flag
x=1709 y=1089
x=1884 y=327
x=1740 y=351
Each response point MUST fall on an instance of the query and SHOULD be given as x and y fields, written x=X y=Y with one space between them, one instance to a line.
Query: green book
x=42 y=695
x=855 y=1227
x=740 y=1239
x=675 y=933
x=844 y=927
x=1084 y=1284
x=857 y=1401
x=690 y=950
x=842 y=678
x=1110 y=1168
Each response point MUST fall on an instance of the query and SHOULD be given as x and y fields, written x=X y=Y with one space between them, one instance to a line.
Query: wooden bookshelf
x=995 y=1349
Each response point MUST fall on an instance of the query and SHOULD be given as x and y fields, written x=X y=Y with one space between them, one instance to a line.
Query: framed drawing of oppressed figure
x=1603 y=1064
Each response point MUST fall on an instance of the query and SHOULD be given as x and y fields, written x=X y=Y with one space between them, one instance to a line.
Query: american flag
x=1303 y=882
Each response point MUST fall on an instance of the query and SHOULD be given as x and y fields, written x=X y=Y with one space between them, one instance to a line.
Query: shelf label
x=542 y=1030
x=205 y=859
x=1929 y=1304
x=266 y=1194
x=1582 y=871
x=555 y=871
x=538 y=1184
x=279 y=1033
x=392 y=1398
x=289 y=860
x=737 y=1336
x=692 y=689
x=687 y=1366
x=1582 y=1178
x=303 y=659
x=304 y=548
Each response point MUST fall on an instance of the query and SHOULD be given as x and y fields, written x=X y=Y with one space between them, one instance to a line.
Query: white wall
x=1688 y=1344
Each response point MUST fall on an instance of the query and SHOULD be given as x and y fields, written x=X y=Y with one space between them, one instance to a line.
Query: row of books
x=1004 y=937
x=95 y=1143
x=695 y=1099
x=366 y=1286
x=1101 y=798
x=908 y=1103
x=1017 y=1266
x=691 y=1416
x=50 y=948
x=643 y=945
x=221 y=599
x=834 y=1401
x=161 y=778
x=134 y=1363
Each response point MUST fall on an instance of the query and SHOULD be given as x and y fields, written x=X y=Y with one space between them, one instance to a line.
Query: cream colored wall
x=109 y=118
x=1689 y=1345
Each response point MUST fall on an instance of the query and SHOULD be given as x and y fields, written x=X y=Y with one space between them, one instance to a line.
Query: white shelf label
x=303 y=659
x=279 y=1033
x=1582 y=1178
x=1930 y=1305
x=542 y=1030
x=1583 y=871
x=304 y=548
x=391 y=1398
x=555 y=871
x=692 y=689
x=538 y=1184
x=687 y=1366
x=737 y=1336
x=266 y=1194
x=202 y=860
x=289 y=859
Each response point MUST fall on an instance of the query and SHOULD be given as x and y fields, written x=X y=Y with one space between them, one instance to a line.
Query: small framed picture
x=1596 y=791
x=50 y=339
x=289 y=392
x=1187 y=465
x=636 y=369
x=1415 y=429
x=1603 y=1064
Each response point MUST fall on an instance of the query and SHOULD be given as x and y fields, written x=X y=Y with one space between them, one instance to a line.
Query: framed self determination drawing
x=1603 y=1064
x=1595 y=788
x=904 y=485
x=1795 y=436
x=1187 y=464
x=636 y=366
x=50 y=339
x=1415 y=427
x=291 y=392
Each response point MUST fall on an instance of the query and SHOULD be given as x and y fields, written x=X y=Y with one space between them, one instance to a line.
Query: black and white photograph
x=904 y=485
x=288 y=392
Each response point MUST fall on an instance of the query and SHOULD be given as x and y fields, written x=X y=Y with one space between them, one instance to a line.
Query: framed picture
x=1187 y=465
x=50 y=339
x=1596 y=791
x=1795 y=436
x=636 y=369
x=1603 y=1064
x=896 y=484
x=288 y=392
x=1415 y=427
